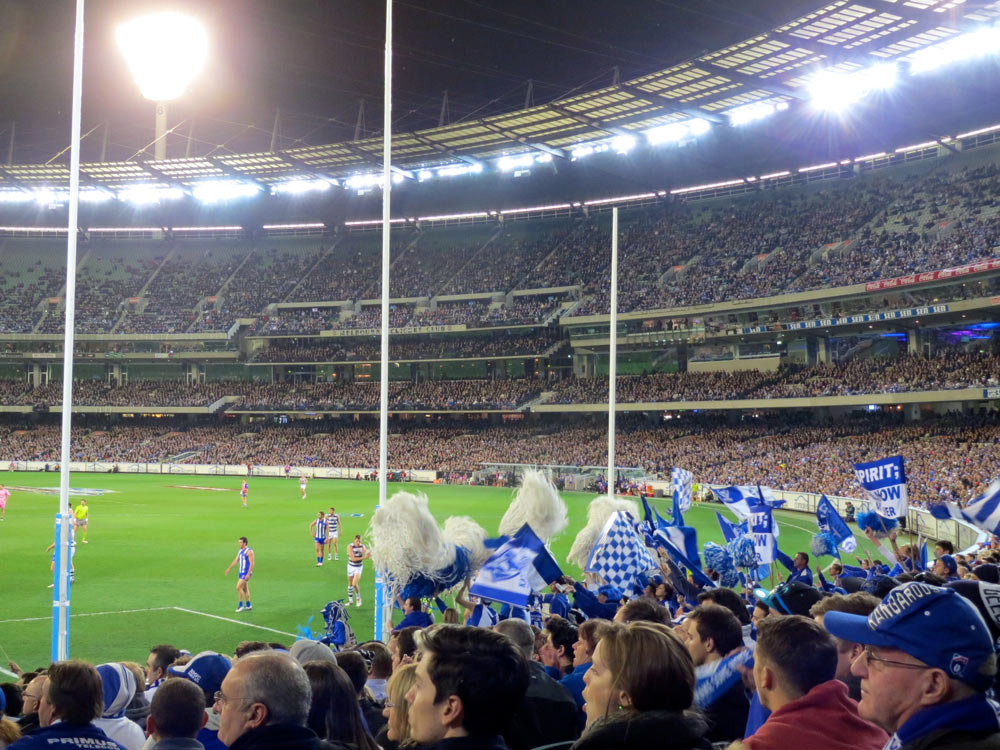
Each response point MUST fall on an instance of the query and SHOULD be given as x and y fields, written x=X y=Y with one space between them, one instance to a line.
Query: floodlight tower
x=164 y=53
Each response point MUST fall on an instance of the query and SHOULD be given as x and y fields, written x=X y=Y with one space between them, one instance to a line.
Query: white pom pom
x=465 y=532
x=406 y=539
x=538 y=504
x=598 y=514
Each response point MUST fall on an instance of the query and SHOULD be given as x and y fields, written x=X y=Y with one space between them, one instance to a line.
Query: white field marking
x=91 y=614
x=230 y=619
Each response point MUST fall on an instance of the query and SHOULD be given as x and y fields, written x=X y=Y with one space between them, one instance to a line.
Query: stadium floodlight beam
x=164 y=52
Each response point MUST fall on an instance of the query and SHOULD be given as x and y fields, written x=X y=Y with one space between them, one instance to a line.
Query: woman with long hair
x=334 y=713
x=395 y=735
x=639 y=691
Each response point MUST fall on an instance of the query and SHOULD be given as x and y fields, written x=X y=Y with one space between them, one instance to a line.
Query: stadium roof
x=843 y=35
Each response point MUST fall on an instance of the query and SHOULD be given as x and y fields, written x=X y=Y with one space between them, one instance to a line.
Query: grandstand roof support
x=760 y=83
x=229 y=172
x=306 y=168
x=521 y=139
x=588 y=120
x=666 y=102
x=445 y=150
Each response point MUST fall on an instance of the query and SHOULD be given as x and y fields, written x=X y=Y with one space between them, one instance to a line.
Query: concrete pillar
x=822 y=350
x=911 y=412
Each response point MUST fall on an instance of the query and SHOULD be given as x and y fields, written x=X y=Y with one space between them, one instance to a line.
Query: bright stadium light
x=970 y=46
x=164 y=52
x=299 y=186
x=510 y=163
x=834 y=91
x=581 y=152
x=670 y=133
x=216 y=191
x=145 y=195
x=622 y=144
x=753 y=112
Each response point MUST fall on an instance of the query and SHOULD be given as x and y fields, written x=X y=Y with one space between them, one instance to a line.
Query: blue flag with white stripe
x=680 y=555
x=681 y=481
x=884 y=483
x=620 y=556
x=830 y=522
x=983 y=511
x=729 y=530
x=741 y=498
x=520 y=567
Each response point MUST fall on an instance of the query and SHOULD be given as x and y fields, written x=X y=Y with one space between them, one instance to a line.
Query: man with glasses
x=925 y=669
x=264 y=703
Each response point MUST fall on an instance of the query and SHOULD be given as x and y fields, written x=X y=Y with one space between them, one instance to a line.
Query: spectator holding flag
x=798 y=569
x=928 y=662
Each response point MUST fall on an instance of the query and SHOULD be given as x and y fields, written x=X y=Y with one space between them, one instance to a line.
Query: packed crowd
x=310 y=350
x=673 y=661
x=948 y=371
x=949 y=458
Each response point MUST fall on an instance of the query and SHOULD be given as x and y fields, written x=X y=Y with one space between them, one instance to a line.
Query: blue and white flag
x=729 y=529
x=682 y=480
x=620 y=556
x=520 y=567
x=830 y=522
x=763 y=532
x=741 y=498
x=983 y=512
x=884 y=483
x=680 y=556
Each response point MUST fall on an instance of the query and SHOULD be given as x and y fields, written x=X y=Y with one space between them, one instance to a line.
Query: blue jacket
x=803 y=576
x=574 y=683
x=589 y=605
x=67 y=736
x=415 y=619
x=558 y=604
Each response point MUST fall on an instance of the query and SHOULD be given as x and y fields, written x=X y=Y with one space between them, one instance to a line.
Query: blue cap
x=930 y=623
x=207 y=670
x=613 y=593
x=951 y=563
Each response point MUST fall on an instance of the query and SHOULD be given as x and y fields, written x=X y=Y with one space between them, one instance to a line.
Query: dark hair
x=334 y=713
x=800 y=649
x=75 y=689
x=12 y=694
x=178 y=708
x=591 y=631
x=947 y=546
x=414 y=601
x=730 y=600
x=381 y=663
x=249 y=647
x=354 y=667
x=645 y=609
x=858 y=603
x=459 y=660
x=805 y=556
x=406 y=645
x=718 y=623
x=563 y=634
x=245 y=540
x=165 y=655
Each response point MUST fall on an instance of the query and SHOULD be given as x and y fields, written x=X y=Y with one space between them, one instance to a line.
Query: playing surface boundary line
x=156 y=609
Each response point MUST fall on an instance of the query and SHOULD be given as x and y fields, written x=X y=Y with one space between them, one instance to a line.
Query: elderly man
x=176 y=716
x=264 y=703
x=72 y=698
x=925 y=669
x=469 y=683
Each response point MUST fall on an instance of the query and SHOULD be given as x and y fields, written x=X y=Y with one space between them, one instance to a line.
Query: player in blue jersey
x=318 y=529
x=244 y=561
x=244 y=489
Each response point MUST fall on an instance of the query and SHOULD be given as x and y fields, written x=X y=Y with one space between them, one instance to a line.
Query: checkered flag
x=681 y=481
x=620 y=555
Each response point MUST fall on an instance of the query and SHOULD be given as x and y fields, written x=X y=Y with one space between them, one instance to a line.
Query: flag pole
x=613 y=354
x=382 y=606
x=63 y=566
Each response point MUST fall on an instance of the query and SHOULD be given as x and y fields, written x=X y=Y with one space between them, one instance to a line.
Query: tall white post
x=383 y=607
x=613 y=353
x=160 y=133
x=61 y=584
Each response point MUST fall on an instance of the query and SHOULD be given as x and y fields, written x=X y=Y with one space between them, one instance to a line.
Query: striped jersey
x=244 y=561
x=320 y=531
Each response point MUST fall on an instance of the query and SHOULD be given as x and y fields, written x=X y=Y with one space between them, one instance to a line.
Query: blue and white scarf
x=975 y=714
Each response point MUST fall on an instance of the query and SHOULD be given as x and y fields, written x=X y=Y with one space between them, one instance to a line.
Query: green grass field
x=152 y=571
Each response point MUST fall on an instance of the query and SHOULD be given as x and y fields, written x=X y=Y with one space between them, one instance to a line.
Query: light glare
x=164 y=53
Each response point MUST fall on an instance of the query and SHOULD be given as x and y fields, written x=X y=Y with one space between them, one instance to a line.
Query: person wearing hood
x=639 y=692
x=118 y=684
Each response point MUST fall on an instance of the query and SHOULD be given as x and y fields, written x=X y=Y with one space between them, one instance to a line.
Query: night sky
x=317 y=59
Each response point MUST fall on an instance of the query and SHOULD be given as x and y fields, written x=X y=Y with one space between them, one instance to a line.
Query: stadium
x=783 y=250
